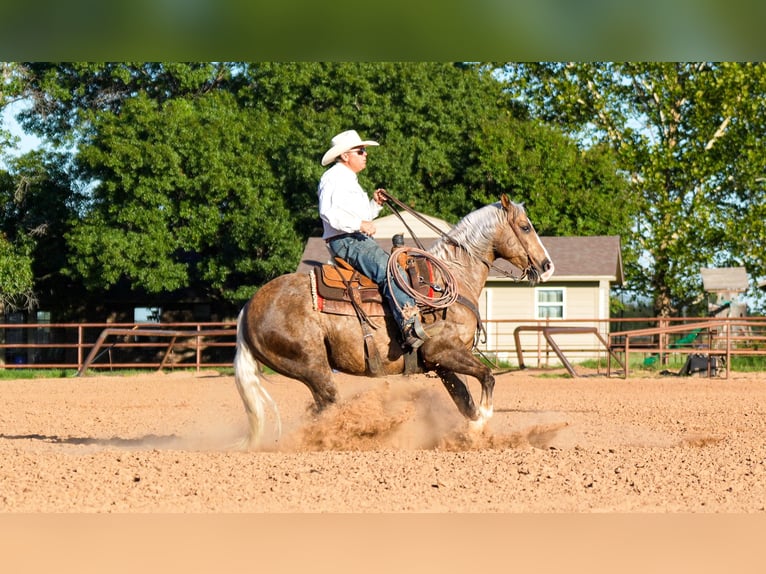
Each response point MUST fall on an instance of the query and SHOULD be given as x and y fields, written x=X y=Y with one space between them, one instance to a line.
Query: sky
x=26 y=142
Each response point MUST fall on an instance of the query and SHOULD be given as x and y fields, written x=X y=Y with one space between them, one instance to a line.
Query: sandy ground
x=159 y=443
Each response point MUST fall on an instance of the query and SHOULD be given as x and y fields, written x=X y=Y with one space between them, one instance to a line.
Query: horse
x=279 y=326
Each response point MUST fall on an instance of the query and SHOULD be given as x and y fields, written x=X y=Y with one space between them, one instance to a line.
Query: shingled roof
x=576 y=258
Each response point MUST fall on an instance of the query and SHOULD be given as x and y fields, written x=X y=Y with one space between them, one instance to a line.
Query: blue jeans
x=369 y=258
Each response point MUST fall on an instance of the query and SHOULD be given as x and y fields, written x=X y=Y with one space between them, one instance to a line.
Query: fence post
x=79 y=347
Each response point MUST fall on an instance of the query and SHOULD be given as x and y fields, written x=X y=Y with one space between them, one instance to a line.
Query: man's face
x=356 y=159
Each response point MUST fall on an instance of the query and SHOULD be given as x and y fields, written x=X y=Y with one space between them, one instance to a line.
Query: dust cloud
x=400 y=417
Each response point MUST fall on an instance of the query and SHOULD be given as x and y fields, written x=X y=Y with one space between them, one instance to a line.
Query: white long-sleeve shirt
x=343 y=204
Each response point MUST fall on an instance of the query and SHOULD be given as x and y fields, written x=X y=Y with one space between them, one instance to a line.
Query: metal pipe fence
x=81 y=346
x=652 y=340
x=116 y=345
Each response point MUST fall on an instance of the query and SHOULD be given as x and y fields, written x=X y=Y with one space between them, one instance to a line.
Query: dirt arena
x=162 y=443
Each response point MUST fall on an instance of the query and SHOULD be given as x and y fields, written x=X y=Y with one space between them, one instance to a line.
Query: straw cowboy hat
x=343 y=142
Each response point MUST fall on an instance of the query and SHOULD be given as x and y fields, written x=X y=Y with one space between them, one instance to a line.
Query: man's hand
x=379 y=196
x=368 y=228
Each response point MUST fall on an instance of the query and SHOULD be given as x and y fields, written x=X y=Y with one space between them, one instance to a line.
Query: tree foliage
x=186 y=198
x=40 y=202
x=690 y=137
x=16 y=275
x=16 y=278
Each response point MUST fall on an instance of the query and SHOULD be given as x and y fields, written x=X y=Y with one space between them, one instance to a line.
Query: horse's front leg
x=486 y=404
x=462 y=362
x=458 y=390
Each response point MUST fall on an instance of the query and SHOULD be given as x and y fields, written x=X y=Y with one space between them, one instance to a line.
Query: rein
x=451 y=295
x=392 y=201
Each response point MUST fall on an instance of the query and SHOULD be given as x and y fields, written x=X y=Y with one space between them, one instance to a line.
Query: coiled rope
x=444 y=281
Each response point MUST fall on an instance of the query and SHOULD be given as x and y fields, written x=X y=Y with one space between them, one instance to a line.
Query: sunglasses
x=359 y=151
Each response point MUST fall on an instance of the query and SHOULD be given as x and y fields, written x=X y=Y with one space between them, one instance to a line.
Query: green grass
x=36 y=373
x=752 y=364
x=743 y=364
x=675 y=361
x=67 y=373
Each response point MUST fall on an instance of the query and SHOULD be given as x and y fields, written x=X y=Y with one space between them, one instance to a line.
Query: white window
x=549 y=303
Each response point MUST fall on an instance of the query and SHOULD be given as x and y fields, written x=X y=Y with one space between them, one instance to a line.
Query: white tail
x=254 y=396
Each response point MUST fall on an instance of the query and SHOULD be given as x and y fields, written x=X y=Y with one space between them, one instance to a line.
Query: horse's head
x=520 y=244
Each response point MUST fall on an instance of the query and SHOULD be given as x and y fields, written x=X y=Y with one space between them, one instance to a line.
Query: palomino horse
x=280 y=328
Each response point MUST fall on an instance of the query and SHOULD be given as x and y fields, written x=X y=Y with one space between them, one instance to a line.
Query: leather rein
x=392 y=201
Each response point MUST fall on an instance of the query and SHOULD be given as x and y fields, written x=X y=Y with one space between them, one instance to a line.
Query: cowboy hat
x=343 y=142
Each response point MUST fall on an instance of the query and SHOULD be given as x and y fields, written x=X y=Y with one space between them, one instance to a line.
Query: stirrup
x=414 y=335
x=412 y=341
x=418 y=329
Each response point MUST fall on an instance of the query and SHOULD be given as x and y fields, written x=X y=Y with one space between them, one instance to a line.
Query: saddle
x=335 y=281
x=339 y=287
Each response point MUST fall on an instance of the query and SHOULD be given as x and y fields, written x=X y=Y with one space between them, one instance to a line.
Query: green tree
x=452 y=139
x=66 y=97
x=423 y=114
x=185 y=199
x=16 y=275
x=16 y=279
x=204 y=175
x=690 y=140
x=42 y=202
x=569 y=191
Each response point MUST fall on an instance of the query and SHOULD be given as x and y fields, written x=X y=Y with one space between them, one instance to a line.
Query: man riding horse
x=281 y=326
x=347 y=213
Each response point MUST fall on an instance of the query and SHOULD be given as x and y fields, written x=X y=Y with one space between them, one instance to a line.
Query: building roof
x=575 y=258
x=583 y=258
x=724 y=279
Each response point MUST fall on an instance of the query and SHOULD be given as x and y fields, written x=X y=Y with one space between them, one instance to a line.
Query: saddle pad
x=337 y=277
x=370 y=308
x=330 y=285
x=341 y=306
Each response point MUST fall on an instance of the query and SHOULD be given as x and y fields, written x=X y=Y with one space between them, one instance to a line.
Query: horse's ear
x=506 y=202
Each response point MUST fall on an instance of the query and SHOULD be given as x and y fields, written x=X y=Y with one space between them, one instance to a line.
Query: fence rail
x=133 y=345
x=655 y=339
x=82 y=346
x=721 y=337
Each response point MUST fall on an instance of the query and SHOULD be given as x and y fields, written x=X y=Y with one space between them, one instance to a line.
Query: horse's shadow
x=147 y=441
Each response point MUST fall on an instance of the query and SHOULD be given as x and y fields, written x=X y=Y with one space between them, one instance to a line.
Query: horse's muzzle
x=547 y=270
x=539 y=274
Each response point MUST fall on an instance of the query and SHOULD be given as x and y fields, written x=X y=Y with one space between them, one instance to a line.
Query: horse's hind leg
x=322 y=388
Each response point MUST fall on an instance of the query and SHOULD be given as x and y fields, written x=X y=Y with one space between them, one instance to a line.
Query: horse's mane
x=473 y=233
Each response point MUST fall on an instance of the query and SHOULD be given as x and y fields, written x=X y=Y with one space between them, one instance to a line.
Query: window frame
x=540 y=304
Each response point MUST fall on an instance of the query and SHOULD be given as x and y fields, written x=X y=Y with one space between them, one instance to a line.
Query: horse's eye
x=526 y=228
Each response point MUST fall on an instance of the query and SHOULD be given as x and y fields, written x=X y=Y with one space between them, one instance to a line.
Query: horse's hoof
x=478 y=425
x=242 y=444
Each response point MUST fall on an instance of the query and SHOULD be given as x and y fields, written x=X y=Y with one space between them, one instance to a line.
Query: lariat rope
x=450 y=293
x=447 y=286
